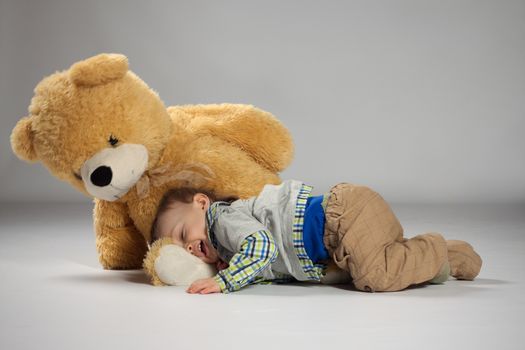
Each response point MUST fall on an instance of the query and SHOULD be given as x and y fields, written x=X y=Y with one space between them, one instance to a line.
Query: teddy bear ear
x=22 y=140
x=100 y=69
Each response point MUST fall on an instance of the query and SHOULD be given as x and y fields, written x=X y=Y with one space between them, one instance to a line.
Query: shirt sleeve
x=257 y=252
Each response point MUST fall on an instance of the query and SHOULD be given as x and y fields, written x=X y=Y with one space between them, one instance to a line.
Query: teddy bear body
x=100 y=128
x=190 y=144
x=222 y=159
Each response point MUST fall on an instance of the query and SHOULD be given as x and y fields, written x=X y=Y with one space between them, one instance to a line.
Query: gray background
x=421 y=100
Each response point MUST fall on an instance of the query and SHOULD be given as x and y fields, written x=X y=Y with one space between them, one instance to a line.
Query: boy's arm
x=257 y=252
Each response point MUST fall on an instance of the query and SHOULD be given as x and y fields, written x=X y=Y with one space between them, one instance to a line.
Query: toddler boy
x=284 y=233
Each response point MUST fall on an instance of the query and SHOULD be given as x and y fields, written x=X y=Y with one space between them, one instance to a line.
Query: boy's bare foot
x=443 y=274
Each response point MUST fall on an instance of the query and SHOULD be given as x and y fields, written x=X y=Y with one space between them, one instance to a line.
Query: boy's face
x=185 y=224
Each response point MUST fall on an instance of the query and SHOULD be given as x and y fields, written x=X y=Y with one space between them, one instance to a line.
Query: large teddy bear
x=102 y=129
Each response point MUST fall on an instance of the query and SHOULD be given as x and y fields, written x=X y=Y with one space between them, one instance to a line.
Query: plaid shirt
x=257 y=250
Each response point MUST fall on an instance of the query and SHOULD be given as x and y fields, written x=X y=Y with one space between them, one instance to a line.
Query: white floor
x=55 y=295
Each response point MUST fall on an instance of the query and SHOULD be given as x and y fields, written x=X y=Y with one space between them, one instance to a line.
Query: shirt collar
x=211 y=216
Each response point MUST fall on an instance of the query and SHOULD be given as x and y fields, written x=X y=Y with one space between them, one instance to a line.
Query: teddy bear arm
x=169 y=264
x=119 y=243
x=255 y=131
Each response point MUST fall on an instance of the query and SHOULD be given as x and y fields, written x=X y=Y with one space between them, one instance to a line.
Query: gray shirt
x=279 y=209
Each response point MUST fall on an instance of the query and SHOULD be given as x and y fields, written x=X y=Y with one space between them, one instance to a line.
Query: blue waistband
x=313 y=229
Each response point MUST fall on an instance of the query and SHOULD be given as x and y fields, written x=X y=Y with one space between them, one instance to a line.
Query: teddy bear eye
x=112 y=140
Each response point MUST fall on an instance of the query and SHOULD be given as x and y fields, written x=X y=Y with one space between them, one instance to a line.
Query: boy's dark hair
x=184 y=195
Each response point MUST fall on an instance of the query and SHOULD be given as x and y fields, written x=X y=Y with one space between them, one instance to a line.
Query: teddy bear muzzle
x=111 y=172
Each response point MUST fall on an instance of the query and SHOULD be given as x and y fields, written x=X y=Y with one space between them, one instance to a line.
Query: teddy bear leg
x=121 y=248
x=465 y=263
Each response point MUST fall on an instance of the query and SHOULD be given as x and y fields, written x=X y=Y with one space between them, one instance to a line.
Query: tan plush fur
x=149 y=261
x=74 y=113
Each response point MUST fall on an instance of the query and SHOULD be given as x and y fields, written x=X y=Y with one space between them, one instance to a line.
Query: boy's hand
x=221 y=265
x=204 y=286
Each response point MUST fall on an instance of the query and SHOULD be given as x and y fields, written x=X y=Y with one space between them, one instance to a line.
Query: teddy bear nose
x=101 y=176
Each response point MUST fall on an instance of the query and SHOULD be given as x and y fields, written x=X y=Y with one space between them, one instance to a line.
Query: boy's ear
x=202 y=200
x=22 y=140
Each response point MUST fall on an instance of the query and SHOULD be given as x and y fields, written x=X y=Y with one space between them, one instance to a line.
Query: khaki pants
x=364 y=237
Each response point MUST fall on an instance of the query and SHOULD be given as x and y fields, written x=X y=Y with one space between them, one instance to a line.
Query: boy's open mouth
x=203 y=249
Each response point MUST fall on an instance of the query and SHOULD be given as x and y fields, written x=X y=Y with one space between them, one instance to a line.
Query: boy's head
x=181 y=216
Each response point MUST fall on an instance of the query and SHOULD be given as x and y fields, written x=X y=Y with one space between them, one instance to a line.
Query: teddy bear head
x=96 y=125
